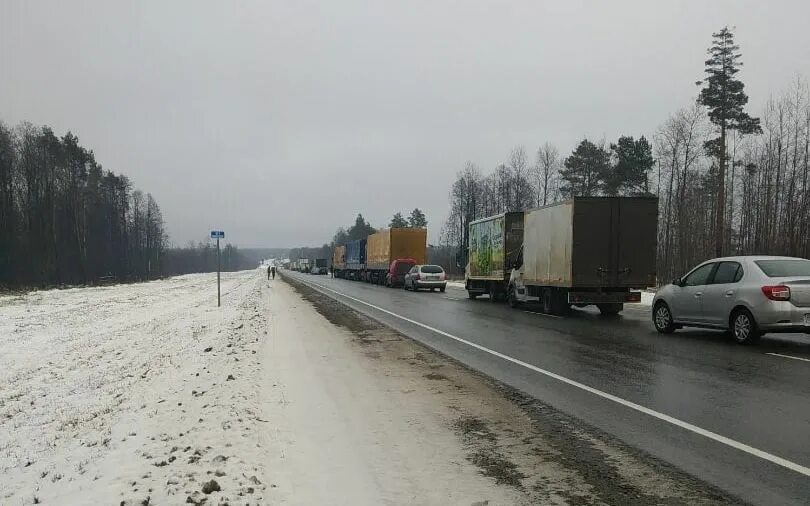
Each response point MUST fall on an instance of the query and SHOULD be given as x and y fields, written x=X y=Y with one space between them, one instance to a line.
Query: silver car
x=425 y=276
x=747 y=295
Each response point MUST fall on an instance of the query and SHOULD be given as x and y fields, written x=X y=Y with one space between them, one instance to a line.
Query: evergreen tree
x=724 y=97
x=634 y=160
x=398 y=221
x=361 y=229
x=585 y=170
x=417 y=219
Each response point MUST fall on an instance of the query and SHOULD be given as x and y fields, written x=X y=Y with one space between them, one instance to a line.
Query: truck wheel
x=472 y=295
x=610 y=309
x=512 y=298
x=548 y=307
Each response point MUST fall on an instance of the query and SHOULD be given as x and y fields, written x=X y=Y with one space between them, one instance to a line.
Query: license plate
x=807 y=320
x=437 y=277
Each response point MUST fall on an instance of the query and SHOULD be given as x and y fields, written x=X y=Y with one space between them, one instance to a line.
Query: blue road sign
x=217 y=234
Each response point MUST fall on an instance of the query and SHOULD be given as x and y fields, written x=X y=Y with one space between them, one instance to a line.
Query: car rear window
x=432 y=269
x=403 y=267
x=784 y=268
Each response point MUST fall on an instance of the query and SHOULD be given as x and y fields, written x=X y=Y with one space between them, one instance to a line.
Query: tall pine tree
x=724 y=97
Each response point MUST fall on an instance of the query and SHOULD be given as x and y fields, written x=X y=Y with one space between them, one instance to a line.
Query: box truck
x=580 y=252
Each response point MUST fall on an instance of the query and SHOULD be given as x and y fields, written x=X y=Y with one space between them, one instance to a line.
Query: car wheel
x=662 y=318
x=442 y=289
x=744 y=328
x=472 y=295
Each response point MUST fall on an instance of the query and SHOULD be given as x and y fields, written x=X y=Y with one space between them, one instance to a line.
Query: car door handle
x=698 y=294
x=730 y=293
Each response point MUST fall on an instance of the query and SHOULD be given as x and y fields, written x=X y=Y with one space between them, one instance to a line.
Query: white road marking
x=789 y=356
x=542 y=314
x=787 y=464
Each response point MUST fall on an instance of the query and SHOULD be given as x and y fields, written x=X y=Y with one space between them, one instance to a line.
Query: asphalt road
x=735 y=416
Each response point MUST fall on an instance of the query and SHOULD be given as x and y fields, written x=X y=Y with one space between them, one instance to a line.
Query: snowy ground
x=122 y=393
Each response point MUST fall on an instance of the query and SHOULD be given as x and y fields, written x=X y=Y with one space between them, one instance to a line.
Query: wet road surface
x=756 y=399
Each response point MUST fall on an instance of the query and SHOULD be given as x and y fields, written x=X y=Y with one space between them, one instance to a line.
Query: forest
x=65 y=220
x=728 y=183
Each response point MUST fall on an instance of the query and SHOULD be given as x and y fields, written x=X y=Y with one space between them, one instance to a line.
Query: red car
x=397 y=271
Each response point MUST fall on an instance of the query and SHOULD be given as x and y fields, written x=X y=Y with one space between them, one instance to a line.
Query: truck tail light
x=633 y=297
x=777 y=292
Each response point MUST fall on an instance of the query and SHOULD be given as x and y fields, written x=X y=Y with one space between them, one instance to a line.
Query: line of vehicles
x=585 y=251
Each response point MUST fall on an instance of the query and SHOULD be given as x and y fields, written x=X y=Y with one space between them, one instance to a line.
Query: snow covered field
x=121 y=393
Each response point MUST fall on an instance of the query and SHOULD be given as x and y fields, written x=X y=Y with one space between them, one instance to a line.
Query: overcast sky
x=280 y=121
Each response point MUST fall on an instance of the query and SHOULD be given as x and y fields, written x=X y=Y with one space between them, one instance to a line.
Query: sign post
x=218 y=234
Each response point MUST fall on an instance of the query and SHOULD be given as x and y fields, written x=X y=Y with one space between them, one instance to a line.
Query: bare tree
x=545 y=173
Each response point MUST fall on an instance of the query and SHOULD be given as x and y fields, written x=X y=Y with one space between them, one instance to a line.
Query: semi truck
x=388 y=245
x=580 y=252
x=338 y=261
x=318 y=266
x=355 y=259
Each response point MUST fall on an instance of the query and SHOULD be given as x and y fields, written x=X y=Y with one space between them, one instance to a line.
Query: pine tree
x=585 y=170
x=724 y=97
x=361 y=229
x=417 y=219
x=398 y=221
x=634 y=159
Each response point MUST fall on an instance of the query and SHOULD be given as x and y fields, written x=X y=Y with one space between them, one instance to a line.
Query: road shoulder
x=467 y=421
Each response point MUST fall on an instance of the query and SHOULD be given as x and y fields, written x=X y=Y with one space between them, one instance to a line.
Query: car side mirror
x=677 y=282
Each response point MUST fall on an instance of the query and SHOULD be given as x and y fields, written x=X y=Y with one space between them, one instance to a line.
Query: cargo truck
x=338 y=261
x=389 y=245
x=583 y=251
x=355 y=259
x=318 y=266
x=494 y=249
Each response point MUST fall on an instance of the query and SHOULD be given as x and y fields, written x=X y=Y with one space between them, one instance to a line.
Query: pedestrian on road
x=273 y=271
x=269 y=268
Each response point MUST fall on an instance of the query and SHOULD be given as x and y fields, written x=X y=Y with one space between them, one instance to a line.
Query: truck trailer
x=388 y=245
x=580 y=252
x=355 y=259
x=338 y=261
x=318 y=266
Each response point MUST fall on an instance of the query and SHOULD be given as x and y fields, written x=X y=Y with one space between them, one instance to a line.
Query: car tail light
x=416 y=276
x=778 y=292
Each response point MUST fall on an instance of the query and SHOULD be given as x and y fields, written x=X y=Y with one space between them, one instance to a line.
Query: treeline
x=591 y=169
x=65 y=220
x=202 y=257
x=727 y=182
